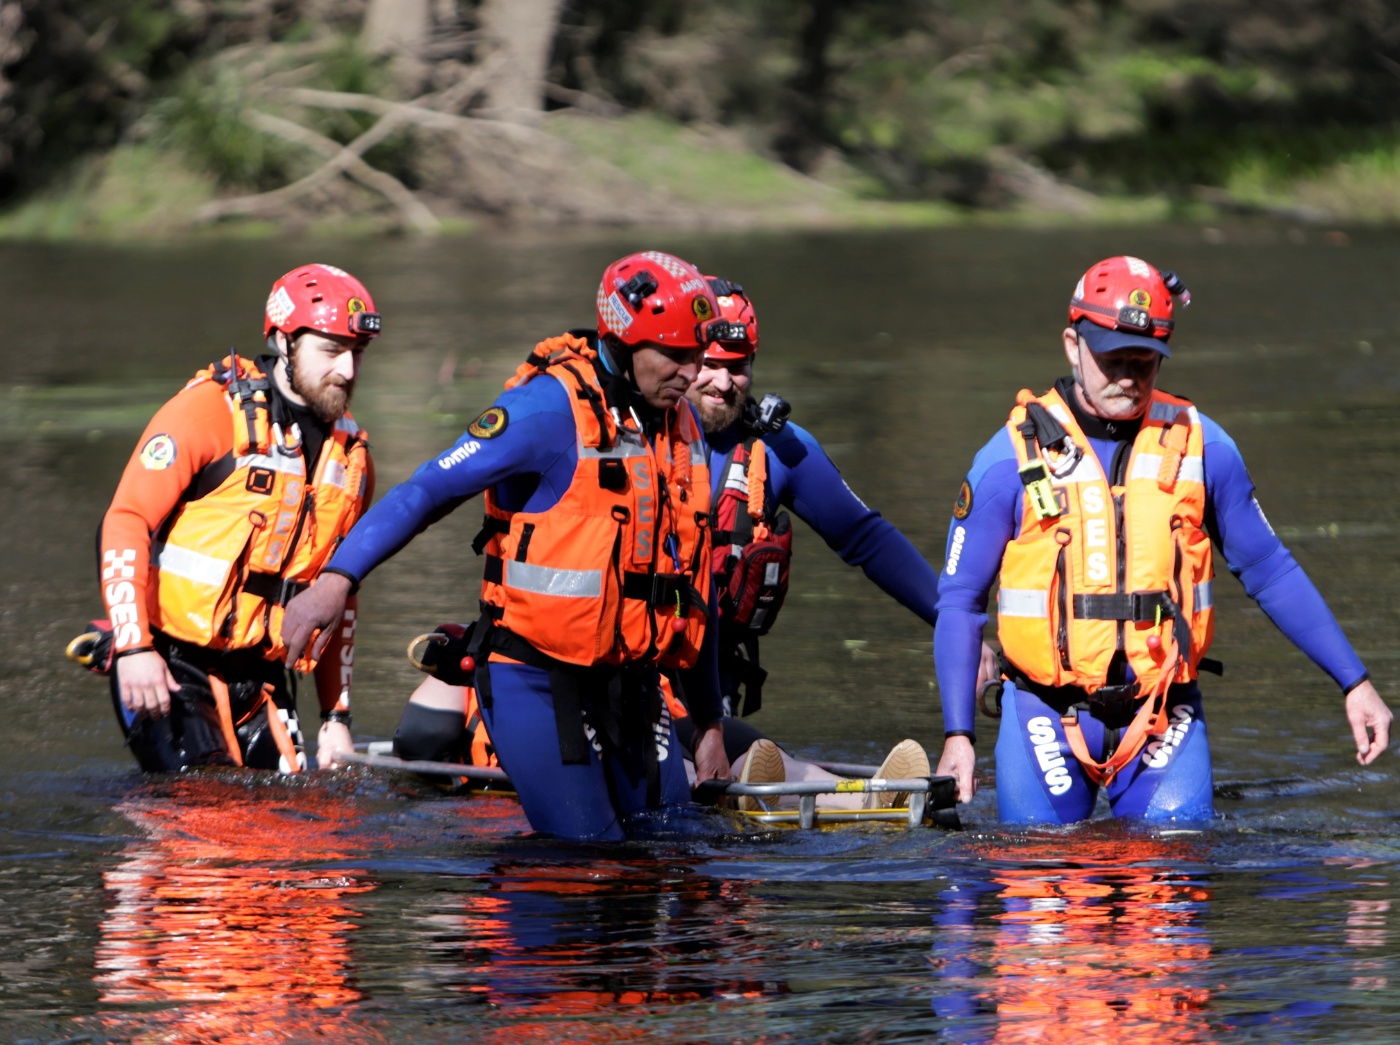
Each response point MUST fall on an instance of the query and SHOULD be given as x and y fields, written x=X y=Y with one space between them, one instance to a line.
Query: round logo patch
x=356 y=305
x=963 y=505
x=159 y=453
x=1140 y=298
x=701 y=308
x=490 y=423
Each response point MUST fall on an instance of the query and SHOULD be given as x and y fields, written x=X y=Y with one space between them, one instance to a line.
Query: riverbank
x=644 y=170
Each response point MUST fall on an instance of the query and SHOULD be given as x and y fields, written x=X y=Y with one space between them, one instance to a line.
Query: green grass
x=134 y=191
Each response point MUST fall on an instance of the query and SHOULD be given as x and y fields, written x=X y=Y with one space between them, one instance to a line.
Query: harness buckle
x=1115 y=706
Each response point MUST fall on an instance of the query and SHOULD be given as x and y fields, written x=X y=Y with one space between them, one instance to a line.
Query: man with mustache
x=1097 y=506
x=596 y=569
x=234 y=499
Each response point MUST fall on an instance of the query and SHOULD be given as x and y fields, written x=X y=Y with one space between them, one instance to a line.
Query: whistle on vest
x=1035 y=476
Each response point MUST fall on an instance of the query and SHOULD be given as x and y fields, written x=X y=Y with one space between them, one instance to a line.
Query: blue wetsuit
x=1038 y=779
x=802 y=478
x=531 y=464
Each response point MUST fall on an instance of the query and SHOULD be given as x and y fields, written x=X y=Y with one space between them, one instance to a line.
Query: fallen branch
x=411 y=112
x=342 y=160
x=1221 y=199
x=582 y=100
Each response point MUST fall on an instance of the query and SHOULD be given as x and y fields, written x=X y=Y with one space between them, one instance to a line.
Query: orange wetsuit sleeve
x=335 y=669
x=189 y=432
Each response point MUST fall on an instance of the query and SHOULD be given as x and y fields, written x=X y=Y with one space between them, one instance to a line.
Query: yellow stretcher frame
x=928 y=796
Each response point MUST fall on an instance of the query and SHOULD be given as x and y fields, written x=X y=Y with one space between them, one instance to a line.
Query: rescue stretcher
x=931 y=799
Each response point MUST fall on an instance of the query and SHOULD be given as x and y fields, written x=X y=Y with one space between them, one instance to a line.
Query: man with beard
x=760 y=464
x=595 y=578
x=234 y=499
x=1096 y=506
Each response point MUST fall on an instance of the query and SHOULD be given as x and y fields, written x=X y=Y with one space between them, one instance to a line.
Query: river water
x=363 y=907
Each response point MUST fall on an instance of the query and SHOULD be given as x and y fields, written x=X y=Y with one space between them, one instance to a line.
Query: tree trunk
x=803 y=132
x=397 y=26
x=524 y=30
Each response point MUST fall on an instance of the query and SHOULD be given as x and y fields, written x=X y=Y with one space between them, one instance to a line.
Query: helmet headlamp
x=366 y=324
x=724 y=330
x=1131 y=317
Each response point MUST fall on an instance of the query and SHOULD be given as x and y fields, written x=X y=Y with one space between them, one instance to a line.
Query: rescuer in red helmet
x=1095 y=507
x=762 y=466
x=596 y=491
x=234 y=499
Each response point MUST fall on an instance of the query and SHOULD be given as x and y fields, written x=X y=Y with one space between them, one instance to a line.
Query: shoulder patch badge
x=490 y=423
x=159 y=453
x=963 y=505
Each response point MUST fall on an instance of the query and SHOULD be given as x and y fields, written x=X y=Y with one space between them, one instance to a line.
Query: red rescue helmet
x=735 y=336
x=655 y=298
x=321 y=298
x=1127 y=304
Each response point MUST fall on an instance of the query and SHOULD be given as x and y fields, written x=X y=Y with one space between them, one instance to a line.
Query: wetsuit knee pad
x=431 y=735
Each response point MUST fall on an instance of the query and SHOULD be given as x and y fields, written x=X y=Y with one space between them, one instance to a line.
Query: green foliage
x=346 y=66
x=205 y=121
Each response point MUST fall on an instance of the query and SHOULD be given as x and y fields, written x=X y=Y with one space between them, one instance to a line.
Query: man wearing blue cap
x=1097 y=506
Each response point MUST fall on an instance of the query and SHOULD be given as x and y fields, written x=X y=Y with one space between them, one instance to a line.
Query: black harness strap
x=490 y=527
x=1140 y=607
x=594 y=399
x=273 y=588
x=618 y=700
x=243 y=389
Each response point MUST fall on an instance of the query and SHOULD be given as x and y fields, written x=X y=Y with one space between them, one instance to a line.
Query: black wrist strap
x=971 y=736
x=337 y=715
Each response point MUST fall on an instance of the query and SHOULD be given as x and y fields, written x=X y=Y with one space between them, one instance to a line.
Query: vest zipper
x=1122 y=557
x=308 y=505
x=1062 y=599
x=663 y=505
x=1120 y=469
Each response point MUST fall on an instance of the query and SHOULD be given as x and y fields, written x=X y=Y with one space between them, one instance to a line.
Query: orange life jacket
x=226 y=562
x=1097 y=568
x=600 y=577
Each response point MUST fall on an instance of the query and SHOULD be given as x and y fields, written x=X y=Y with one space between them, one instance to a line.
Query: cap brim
x=722 y=350
x=1101 y=339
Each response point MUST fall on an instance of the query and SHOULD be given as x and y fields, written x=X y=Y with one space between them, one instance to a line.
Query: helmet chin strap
x=616 y=359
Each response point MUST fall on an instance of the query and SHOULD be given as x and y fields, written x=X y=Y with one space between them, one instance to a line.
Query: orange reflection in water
x=1099 y=945
x=212 y=922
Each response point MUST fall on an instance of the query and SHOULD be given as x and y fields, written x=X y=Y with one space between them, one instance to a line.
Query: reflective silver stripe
x=273 y=462
x=699 y=453
x=191 y=565
x=1203 y=596
x=346 y=425
x=1087 y=470
x=1167 y=412
x=1060 y=414
x=623 y=448
x=545 y=580
x=1023 y=602
x=333 y=475
x=1146 y=466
